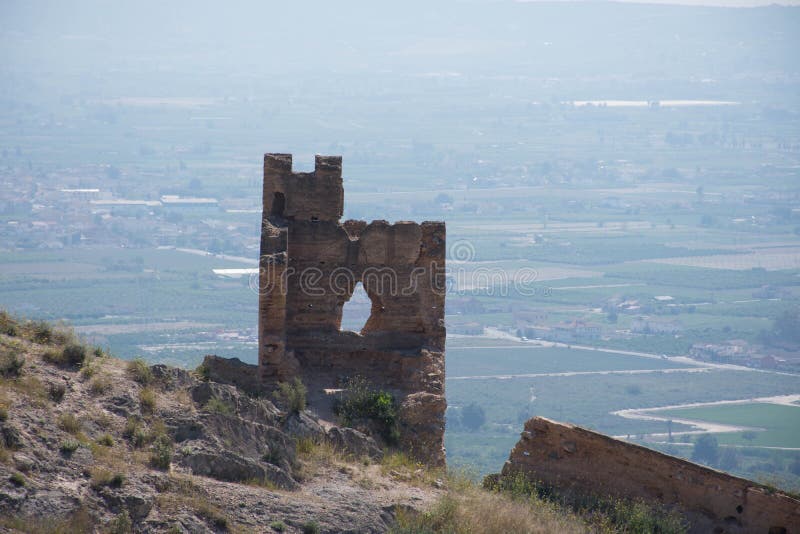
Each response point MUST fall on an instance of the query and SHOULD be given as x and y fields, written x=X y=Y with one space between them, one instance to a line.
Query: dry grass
x=147 y=401
x=314 y=457
x=101 y=476
x=139 y=371
x=400 y=466
x=183 y=494
x=79 y=522
x=100 y=385
x=70 y=424
x=184 y=400
x=469 y=509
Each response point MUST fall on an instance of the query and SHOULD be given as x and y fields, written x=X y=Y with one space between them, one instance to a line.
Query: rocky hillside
x=93 y=444
x=90 y=443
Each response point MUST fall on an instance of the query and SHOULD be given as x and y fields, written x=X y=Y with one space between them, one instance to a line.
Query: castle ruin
x=310 y=264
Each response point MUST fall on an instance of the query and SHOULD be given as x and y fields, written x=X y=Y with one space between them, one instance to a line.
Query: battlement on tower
x=311 y=196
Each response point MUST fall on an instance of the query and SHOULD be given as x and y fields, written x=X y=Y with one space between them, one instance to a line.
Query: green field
x=781 y=423
x=483 y=361
x=589 y=400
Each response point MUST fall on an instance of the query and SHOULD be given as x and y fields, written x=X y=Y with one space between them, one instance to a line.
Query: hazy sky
x=722 y=3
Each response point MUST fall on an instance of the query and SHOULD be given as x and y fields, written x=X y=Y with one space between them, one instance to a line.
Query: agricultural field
x=590 y=400
x=775 y=425
x=467 y=363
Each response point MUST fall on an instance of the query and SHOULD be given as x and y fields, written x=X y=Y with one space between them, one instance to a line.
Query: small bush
x=161 y=453
x=215 y=405
x=74 y=354
x=69 y=423
x=97 y=352
x=102 y=477
x=69 y=446
x=89 y=369
x=362 y=405
x=278 y=526
x=8 y=325
x=121 y=524
x=292 y=395
x=600 y=511
x=3 y=413
x=134 y=433
x=11 y=362
x=53 y=356
x=57 y=390
x=106 y=440
x=139 y=371
x=310 y=527
x=212 y=515
x=41 y=332
x=147 y=400
x=203 y=372
x=18 y=479
x=100 y=385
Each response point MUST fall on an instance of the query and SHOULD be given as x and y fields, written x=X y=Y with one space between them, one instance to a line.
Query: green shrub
x=212 y=514
x=106 y=440
x=11 y=362
x=360 y=404
x=310 y=527
x=139 y=371
x=103 y=477
x=215 y=405
x=41 y=332
x=135 y=433
x=53 y=356
x=89 y=369
x=203 y=372
x=100 y=385
x=147 y=400
x=278 y=526
x=69 y=423
x=600 y=511
x=18 y=479
x=161 y=452
x=69 y=446
x=8 y=325
x=57 y=390
x=121 y=524
x=292 y=395
x=3 y=413
x=74 y=354
x=97 y=352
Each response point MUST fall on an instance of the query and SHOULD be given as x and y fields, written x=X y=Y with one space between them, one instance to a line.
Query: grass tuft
x=292 y=395
x=139 y=371
x=147 y=401
x=69 y=423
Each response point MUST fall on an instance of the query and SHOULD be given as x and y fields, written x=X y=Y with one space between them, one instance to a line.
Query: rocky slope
x=89 y=443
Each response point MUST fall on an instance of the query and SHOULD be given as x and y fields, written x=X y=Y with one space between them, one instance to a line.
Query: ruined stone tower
x=309 y=267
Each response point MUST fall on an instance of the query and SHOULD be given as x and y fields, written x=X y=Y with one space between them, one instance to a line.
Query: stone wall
x=571 y=458
x=309 y=267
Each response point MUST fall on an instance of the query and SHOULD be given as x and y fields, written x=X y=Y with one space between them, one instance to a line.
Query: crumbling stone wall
x=310 y=265
x=571 y=458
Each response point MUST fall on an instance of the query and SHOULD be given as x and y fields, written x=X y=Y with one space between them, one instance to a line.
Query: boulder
x=232 y=467
x=352 y=442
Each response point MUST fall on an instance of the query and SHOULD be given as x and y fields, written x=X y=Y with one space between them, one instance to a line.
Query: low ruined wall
x=571 y=458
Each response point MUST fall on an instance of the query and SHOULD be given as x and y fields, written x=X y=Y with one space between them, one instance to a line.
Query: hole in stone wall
x=356 y=310
x=278 y=204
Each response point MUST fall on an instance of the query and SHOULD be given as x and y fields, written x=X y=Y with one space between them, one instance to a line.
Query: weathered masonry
x=573 y=459
x=309 y=266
